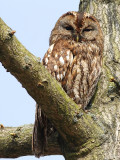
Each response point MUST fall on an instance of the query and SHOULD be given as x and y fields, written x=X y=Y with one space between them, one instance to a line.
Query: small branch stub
x=1 y=126
x=42 y=84
x=12 y=33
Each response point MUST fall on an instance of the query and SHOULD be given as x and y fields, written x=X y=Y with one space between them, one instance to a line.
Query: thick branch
x=75 y=127
x=70 y=121
x=17 y=141
x=107 y=100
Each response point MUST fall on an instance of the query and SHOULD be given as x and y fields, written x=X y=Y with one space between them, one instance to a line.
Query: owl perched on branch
x=74 y=58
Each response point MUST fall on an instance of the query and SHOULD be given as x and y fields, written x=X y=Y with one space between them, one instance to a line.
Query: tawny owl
x=74 y=58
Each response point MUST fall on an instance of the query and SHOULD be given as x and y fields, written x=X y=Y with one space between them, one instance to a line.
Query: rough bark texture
x=107 y=101
x=89 y=136
x=17 y=141
x=69 y=120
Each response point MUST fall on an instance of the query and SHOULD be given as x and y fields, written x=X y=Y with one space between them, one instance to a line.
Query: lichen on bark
x=96 y=134
x=106 y=103
x=47 y=92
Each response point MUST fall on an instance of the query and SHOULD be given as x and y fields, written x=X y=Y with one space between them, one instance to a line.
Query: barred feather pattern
x=74 y=59
x=78 y=70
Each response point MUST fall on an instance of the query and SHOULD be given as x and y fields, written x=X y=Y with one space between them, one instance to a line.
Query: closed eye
x=69 y=28
x=88 y=29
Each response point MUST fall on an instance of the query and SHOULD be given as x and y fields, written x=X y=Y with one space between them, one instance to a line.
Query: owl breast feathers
x=74 y=57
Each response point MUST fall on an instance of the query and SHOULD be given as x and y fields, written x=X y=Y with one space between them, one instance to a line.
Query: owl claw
x=1 y=126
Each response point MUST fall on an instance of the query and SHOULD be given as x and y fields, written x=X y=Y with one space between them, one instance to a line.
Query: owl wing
x=39 y=138
x=58 y=60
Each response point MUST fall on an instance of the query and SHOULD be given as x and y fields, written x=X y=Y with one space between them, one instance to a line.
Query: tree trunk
x=90 y=136
x=106 y=105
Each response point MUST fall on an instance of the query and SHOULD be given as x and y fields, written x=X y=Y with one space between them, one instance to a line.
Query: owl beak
x=77 y=38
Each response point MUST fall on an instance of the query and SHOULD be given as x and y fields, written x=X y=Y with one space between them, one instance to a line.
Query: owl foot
x=1 y=126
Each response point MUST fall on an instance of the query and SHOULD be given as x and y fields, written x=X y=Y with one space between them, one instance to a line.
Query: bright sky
x=33 y=22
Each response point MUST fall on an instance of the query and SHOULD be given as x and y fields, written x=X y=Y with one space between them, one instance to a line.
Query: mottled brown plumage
x=74 y=57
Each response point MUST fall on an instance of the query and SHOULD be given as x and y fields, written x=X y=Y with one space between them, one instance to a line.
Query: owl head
x=79 y=27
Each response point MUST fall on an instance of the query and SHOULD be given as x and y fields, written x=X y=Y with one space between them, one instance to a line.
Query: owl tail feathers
x=39 y=139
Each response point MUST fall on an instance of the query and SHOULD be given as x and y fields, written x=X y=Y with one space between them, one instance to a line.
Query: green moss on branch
x=17 y=141
x=47 y=92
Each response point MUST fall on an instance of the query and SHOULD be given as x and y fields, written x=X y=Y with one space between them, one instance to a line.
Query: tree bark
x=66 y=116
x=17 y=141
x=89 y=136
x=107 y=100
